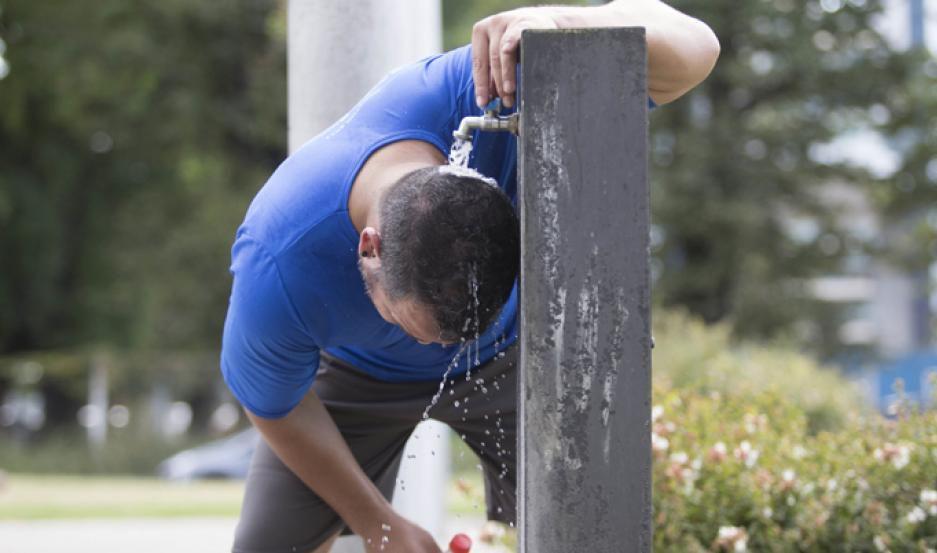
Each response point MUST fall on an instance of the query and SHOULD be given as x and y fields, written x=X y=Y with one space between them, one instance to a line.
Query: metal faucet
x=490 y=121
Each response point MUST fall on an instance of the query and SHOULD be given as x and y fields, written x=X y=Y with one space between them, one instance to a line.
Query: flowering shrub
x=759 y=448
x=735 y=473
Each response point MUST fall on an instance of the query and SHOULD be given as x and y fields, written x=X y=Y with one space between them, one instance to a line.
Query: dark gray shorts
x=281 y=514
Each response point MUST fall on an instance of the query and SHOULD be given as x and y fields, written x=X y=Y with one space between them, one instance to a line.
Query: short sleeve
x=268 y=359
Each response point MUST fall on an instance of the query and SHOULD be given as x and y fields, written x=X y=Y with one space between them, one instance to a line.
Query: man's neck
x=383 y=168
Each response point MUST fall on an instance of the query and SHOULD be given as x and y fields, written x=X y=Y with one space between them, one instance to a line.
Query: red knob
x=460 y=544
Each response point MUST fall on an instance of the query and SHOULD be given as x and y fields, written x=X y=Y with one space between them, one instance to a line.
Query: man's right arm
x=309 y=443
x=269 y=360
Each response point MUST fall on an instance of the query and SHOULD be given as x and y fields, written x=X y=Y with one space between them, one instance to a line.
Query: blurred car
x=225 y=458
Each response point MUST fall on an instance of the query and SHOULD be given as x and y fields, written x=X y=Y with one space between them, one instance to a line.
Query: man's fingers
x=494 y=58
x=480 y=69
x=508 y=50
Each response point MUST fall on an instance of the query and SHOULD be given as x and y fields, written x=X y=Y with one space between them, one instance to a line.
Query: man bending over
x=365 y=265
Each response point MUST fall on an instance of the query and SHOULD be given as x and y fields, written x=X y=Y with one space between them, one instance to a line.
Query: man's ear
x=369 y=244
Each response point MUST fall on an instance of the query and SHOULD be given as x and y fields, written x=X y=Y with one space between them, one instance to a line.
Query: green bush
x=692 y=356
x=737 y=473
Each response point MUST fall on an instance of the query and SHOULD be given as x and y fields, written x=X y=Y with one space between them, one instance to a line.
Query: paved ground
x=176 y=535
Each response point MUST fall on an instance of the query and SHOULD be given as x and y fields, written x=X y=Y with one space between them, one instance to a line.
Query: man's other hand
x=681 y=50
x=403 y=536
x=495 y=41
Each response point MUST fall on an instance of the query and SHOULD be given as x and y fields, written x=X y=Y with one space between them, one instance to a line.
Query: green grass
x=27 y=496
x=37 y=496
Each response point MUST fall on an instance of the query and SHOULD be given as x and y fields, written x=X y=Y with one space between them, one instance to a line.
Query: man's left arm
x=682 y=50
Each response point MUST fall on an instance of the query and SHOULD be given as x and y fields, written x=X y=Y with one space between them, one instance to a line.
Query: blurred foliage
x=135 y=379
x=736 y=162
x=459 y=16
x=742 y=473
x=131 y=450
x=689 y=355
x=134 y=134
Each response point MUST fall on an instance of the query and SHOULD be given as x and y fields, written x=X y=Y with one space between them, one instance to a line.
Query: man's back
x=297 y=287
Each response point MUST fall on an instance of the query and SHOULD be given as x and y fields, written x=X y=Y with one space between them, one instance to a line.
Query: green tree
x=735 y=168
x=133 y=134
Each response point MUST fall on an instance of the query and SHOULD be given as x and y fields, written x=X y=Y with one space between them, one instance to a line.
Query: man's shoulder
x=308 y=188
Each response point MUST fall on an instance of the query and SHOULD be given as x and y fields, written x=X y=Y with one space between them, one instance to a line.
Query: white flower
x=788 y=475
x=767 y=512
x=732 y=538
x=745 y=453
x=679 y=457
x=903 y=458
x=916 y=515
x=798 y=452
x=898 y=454
x=717 y=453
x=656 y=412
x=729 y=532
x=880 y=544
x=831 y=484
x=659 y=443
x=929 y=501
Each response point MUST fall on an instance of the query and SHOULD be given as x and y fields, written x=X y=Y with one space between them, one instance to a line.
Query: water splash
x=442 y=384
x=459 y=153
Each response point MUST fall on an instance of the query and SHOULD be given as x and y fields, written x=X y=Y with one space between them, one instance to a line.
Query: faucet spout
x=490 y=121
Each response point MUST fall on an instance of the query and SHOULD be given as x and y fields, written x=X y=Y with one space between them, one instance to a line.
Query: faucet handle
x=493 y=108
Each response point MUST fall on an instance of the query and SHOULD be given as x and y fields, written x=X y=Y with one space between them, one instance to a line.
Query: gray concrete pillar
x=339 y=49
x=585 y=456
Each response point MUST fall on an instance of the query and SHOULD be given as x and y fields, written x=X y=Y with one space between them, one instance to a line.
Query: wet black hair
x=451 y=242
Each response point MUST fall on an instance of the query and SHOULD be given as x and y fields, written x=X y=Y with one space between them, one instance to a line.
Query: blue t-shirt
x=297 y=289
